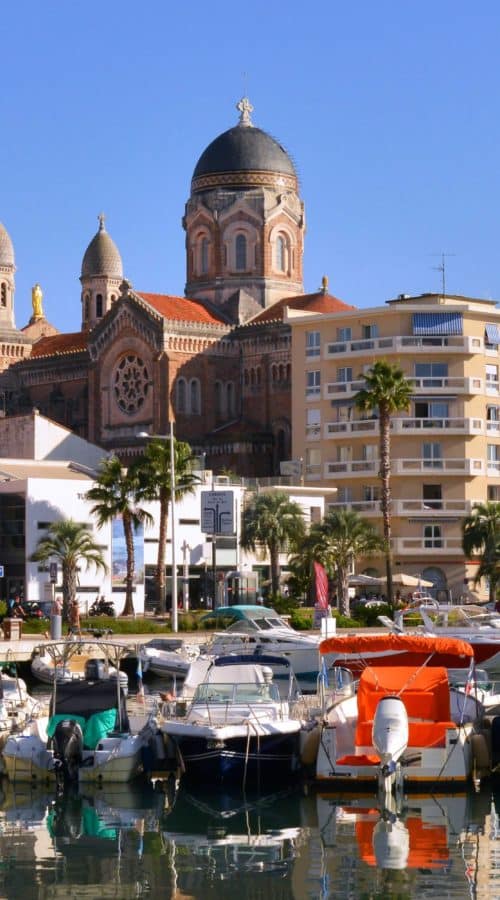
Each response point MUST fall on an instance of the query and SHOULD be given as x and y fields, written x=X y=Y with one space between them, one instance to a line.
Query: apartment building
x=445 y=449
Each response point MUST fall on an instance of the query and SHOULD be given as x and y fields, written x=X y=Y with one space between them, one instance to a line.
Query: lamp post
x=151 y=437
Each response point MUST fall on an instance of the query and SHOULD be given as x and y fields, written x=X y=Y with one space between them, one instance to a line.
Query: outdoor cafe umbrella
x=409 y=581
x=364 y=581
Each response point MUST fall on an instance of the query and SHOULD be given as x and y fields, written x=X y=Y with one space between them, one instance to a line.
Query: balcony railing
x=435 y=546
x=437 y=386
x=405 y=508
x=406 y=344
x=441 y=466
x=409 y=426
x=352 y=468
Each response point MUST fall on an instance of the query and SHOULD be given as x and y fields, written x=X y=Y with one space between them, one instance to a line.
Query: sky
x=390 y=111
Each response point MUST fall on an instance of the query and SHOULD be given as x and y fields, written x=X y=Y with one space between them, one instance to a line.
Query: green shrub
x=368 y=616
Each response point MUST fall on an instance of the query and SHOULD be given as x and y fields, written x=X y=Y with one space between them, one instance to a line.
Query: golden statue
x=36 y=300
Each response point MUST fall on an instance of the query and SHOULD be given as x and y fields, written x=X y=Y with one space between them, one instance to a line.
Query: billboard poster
x=119 y=554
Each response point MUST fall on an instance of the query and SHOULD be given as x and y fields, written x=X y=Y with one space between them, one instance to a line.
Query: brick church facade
x=217 y=361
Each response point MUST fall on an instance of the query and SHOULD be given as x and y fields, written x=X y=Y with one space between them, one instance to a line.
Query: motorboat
x=71 y=660
x=236 y=728
x=254 y=627
x=402 y=725
x=474 y=624
x=16 y=705
x=167 y=657
x=88 y=736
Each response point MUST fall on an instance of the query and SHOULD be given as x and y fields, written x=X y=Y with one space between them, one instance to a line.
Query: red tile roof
x=318 y=303
x=181 y=309
x=53 y=344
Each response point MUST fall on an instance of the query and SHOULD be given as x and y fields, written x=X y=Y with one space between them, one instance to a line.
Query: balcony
x=352 y=468
x=407 y=508
x=441 y=466
x=428 y=546
x=362 y=427
x=405 y=344
x=337 y=390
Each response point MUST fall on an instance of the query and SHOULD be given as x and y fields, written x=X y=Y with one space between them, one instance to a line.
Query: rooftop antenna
x=442 y=268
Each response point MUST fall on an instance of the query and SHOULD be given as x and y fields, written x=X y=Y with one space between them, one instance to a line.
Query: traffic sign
x=53 y=572
x=217 y=512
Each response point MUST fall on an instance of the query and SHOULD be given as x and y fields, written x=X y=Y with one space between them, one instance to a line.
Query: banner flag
x=321 y=580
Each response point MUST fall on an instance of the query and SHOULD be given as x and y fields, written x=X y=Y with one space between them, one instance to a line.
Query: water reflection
x=155 y=841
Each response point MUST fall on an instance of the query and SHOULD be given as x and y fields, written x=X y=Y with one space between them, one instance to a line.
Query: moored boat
x=72 y=660
x=405 y=726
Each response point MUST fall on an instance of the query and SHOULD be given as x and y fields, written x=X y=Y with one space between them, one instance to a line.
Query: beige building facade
x=445 y=449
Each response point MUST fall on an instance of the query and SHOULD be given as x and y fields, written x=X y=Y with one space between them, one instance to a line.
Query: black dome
x=241 y=149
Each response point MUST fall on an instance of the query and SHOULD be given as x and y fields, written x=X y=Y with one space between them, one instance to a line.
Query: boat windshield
x=220 y=692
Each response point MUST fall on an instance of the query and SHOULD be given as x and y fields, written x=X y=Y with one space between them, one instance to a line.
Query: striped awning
x=492 y=333
x=438 y=323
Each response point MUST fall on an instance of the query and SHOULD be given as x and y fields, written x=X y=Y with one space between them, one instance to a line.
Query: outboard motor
x=390 y=731
x=95 y=670
x=68 y=748
x=391 y=844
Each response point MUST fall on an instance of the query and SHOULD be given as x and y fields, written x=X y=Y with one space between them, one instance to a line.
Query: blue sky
x=390 y=111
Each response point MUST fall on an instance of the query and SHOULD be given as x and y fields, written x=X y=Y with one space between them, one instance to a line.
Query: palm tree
x=387 y=390
x=152 y=472
x=481 y=536
x=114 y=496
x=337 y=542
x=274 y=521
x=70 y=543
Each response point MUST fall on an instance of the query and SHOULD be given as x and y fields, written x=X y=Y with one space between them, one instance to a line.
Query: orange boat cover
x=428 y=843
x=363 y=644
x=425 y=693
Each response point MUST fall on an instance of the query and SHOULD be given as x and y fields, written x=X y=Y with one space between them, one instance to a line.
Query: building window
x=369 y=331
x=344 y=494
x=344 y=374
x=432 y=455
x=218 y=399
x=313 y=342
x=313 y=384
x=344 y=334
x=98 y=306
x=194 y=397
x=281 y=254
x=130 y=383
x=432 y=496
x=313 y=461
x=241 y=252
x=180 y=395
x=371 y=493
x=437 y=410
x=370 y=452
x=3 y=294
x=230 y=398
x=432 y=536
x=204 y=256
x=86 y=308
x=313 y=427
x=492 y=376
x=432 y=374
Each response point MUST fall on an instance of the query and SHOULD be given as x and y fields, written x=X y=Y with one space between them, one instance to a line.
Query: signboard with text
x=217 y=512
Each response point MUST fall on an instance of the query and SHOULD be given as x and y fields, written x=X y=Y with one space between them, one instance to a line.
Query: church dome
x=242 y=149
x=6 y=248
x=102 y=256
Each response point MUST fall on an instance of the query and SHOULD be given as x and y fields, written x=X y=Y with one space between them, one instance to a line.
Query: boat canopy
x=411 y=643
x=425 y=692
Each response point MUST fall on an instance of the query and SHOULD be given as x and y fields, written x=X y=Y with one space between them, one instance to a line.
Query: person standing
x=74 y=619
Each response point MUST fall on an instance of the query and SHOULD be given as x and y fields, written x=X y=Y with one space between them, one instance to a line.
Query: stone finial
x=102 y=219
x=245 y=108
x=125 y=287
x=324 y=284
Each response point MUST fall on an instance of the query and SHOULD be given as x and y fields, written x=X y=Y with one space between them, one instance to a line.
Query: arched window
x=194 y=396
x=98 y=306
x=86 y=308
x=230 y=398
x=180 y=395
x=3 y=294
x=113 y=298
x=241 y=252
x=281 y=253
x=218 y=398
x=204 y=256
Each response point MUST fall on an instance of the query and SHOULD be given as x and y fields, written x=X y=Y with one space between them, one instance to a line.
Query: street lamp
x=151 y=437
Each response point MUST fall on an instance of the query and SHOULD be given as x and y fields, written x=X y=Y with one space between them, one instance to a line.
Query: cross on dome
x=245 y=108
x=102 y=218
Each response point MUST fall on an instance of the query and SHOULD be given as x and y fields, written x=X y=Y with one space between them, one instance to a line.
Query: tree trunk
x=68 y=586
x=128 y=609
x=385 y=500
x=275 y=569
x=343 y=591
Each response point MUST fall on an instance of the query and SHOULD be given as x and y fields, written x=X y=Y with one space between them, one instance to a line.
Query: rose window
x=131 y=383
